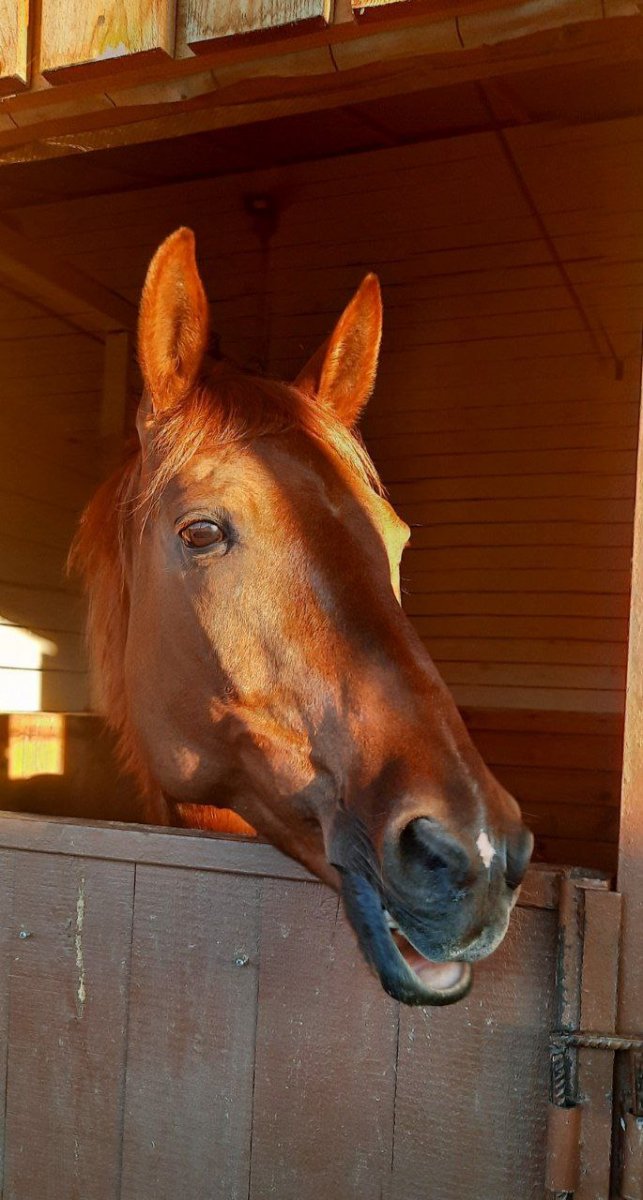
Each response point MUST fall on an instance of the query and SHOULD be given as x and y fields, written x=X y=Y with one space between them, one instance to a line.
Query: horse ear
x=173 y=323
x=342 y=372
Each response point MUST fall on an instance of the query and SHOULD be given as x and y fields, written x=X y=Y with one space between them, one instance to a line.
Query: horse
x=243 y=575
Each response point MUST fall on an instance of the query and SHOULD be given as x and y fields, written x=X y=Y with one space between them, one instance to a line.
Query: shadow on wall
x=21 y=661
x=62 y=765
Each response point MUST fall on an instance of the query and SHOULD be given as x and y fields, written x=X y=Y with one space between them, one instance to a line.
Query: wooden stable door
x=182 y=1015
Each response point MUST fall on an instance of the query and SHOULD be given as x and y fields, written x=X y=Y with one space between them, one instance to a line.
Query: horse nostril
x=426 y=846
x=519 y=851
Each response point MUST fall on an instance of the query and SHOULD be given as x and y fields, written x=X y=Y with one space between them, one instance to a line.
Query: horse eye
x=199 y=535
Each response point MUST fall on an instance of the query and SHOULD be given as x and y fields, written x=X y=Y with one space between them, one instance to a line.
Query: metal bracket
x=565 y=1110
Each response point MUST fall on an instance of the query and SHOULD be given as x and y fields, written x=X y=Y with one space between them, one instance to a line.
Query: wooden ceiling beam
x=29 y=268
x=341 y=64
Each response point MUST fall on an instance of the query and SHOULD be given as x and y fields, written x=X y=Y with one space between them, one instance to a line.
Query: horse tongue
x=437 y=976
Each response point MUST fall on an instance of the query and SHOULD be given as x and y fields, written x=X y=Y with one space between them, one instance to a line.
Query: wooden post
x=630 y=858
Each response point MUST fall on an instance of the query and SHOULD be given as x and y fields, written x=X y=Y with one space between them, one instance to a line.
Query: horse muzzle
x=404 y=972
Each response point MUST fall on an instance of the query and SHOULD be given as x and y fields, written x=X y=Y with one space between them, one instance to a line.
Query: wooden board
x=191 y=1045
x=76 y=33
x=316 y=992
x=69 y=938
x=14 y=42
x=502 y=1031
x=206 y=22
x=630 y=851
x=219 y=1015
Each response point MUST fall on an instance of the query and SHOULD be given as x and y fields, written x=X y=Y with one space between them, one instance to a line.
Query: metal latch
x=564 y=1116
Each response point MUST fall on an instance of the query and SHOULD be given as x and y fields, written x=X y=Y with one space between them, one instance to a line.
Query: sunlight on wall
x=36 y=745
x=21 y=655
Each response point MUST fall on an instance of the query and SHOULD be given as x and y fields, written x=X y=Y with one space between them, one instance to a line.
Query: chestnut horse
x=243 y=578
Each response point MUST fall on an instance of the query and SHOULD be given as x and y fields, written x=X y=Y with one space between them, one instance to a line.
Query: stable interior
x=505 y=225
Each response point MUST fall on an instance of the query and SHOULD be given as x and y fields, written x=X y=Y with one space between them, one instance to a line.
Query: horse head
x=243 y=573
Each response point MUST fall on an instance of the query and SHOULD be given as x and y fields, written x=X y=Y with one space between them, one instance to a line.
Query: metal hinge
x=564 y=1120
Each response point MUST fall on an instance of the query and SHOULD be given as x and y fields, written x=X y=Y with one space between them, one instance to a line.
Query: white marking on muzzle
x=486 y=850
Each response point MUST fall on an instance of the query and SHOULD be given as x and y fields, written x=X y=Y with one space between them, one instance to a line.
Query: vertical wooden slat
x=630 y=855
x=69 y=961
x=596 y=1067
x=191 y=1036
x=325 y=1057
x=78 y=33
x=14 y=40
x=7 y=880
x=473 y=1080
x=206 y=22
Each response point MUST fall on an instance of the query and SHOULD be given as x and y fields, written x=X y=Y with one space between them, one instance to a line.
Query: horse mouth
x=404 y=973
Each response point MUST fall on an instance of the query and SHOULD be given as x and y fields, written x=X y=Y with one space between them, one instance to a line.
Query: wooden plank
x=598 y=629
x=420 y=559
x=551 y=603
x=559 y=497
x=78 y=33
x=575 y=822
x=8 y=863
x=589 y=724
x=463 y=441
x=427 y=583
x=600 y=856
x=457 y=1071
x=61 y=608
x=14 y=46
x=187 y=848
x=602 y=927
x=188 y=1108
x=607 y=41
x=591 y=751
x=560 y=785
x=69 y=979
x=572 y=699
x=528 y=653
x=318 y=999
x=206 y=23
x=630 y=853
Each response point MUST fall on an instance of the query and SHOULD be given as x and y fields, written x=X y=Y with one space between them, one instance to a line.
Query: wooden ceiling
x=570 y=93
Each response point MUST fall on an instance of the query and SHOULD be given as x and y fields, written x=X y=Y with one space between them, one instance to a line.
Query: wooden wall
x=50 y=379
x=498 y=424
x=505 y=417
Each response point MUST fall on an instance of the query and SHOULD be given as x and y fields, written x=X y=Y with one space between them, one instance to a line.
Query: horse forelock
x=227 y=409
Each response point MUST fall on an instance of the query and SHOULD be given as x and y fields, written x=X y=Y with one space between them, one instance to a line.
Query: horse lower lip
x=403 y=972
x=441 y=975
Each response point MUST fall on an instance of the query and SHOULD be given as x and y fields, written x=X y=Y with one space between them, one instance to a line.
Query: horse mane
x=229 y=408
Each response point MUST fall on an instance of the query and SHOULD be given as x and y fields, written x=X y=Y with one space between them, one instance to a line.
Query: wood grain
x=230 y=1018
x=188 y=1109
x=326 y=1046
x=14 y=45
x=602 y=920
x=498 y=1091
x=630 y=857
x=68 y=993
x=75 y=33
x=206 y=22
x=8 y=864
